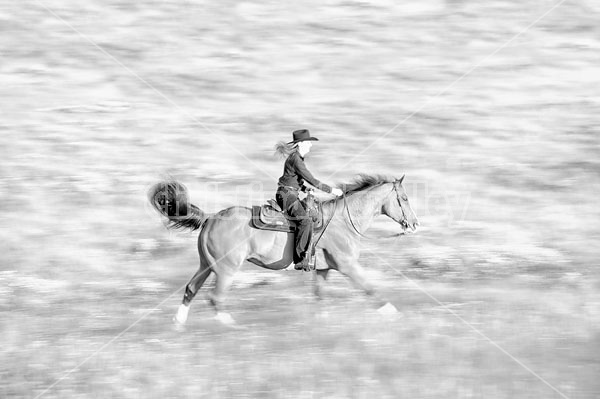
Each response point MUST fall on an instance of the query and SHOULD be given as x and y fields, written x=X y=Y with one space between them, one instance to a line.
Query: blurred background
x=98 y=100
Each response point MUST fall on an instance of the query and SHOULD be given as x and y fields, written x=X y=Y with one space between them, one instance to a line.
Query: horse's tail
x=170 y=198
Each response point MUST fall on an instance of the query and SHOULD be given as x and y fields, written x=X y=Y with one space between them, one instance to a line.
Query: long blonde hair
x=283 y=149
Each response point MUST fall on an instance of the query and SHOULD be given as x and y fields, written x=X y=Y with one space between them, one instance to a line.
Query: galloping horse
x=227 y=238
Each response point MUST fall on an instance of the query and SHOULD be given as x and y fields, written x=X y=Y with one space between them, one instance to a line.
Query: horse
x=227 y=239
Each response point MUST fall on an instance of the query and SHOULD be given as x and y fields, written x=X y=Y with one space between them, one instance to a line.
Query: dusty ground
x=502 y=169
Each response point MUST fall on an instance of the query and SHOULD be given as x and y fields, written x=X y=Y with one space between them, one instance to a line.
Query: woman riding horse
x=294 y=175
x=228 y=239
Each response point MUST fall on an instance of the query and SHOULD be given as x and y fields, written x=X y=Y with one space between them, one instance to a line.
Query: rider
x=295 y=174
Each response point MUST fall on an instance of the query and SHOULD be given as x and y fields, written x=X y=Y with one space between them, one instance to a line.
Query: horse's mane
x=363 y=182
x=360 y=183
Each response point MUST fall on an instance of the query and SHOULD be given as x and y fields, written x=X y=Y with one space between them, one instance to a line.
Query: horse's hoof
x=387 y=310
x=182 y=314
x=225 y=318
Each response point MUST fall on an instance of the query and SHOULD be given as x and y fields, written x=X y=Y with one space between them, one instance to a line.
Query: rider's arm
x=303 y=172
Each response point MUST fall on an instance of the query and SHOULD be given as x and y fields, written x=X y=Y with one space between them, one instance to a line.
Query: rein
x=350 y=217
x=326 y=224
x=351 y=223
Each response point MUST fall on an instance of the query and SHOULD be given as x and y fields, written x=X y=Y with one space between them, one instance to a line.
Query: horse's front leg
x=320 y=277
x=355 y=272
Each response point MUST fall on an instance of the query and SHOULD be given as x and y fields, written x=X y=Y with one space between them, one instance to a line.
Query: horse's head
x=396 y=206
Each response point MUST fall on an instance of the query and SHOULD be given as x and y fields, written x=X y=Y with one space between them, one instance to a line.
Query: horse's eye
x=404 y=197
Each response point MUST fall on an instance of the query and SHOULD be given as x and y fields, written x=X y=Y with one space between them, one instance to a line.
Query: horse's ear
x=402 y=178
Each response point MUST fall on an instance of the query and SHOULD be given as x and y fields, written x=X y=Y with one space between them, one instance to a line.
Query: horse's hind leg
x=217 y=296
x=191 y=289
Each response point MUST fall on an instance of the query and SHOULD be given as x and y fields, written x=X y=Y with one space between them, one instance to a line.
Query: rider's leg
x=303 y=236
x=303 y=233
x=289 y=201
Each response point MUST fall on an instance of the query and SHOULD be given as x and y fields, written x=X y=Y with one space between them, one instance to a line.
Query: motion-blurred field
x=502 y=169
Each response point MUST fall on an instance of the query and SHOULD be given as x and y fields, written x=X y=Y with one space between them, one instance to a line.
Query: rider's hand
x=337 y=192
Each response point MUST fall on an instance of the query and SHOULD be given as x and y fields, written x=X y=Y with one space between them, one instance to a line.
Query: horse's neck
x=364 y=206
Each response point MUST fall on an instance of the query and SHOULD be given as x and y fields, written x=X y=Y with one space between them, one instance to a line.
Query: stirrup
x=306 y=265
x=300 y=265
x=311 y=265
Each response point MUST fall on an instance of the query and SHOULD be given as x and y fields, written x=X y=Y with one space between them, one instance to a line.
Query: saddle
x=270 y=216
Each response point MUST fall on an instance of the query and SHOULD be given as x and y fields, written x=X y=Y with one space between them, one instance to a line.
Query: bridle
x=352 y=222
x=361 y=234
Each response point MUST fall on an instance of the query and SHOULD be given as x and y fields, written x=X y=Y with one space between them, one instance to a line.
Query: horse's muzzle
x=407 y=225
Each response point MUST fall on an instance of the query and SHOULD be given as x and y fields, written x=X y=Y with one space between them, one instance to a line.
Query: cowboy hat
x=302 y=135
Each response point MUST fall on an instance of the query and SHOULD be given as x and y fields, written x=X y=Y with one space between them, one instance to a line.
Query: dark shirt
x=295 y=173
